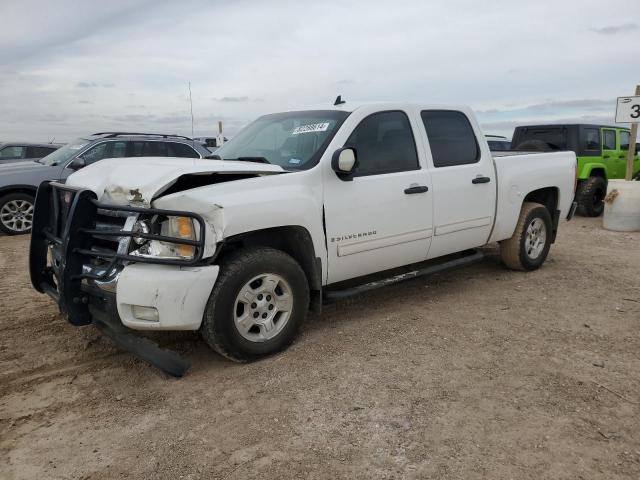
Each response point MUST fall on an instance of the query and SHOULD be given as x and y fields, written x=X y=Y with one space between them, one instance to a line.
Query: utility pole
x=220 y=137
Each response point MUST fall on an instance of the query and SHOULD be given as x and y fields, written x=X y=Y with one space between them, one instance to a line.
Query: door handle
x=481 y=179
x=606 y=156
x=416 y=189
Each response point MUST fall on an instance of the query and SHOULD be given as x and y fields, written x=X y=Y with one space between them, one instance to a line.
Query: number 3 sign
x=628 y=110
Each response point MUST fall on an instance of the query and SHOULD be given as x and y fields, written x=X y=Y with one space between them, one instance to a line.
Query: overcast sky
x=70 y=68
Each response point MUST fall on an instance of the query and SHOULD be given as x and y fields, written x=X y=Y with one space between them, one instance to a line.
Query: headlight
x=175 y=227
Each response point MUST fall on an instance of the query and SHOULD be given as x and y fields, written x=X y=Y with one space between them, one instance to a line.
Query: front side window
x=94 y=154
x=11 y=152
x=609 y=140
x=384 y=143
x=293 y=140
x=592 y=139
x=451 y=138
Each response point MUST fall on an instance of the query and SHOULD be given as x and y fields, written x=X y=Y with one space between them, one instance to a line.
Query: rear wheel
x=16 y=213
x=257 y=304
x=529 y=245
x=590 y=196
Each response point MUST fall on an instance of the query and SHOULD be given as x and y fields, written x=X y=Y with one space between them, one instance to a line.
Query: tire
x=518 y=252
x=16 y=213
x=590 y=196
x=254 y=271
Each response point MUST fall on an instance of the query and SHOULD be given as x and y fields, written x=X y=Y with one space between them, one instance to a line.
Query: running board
x=144 y=349
x=331 y=296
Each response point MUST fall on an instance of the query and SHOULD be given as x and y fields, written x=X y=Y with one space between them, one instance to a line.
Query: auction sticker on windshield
x=314 y=127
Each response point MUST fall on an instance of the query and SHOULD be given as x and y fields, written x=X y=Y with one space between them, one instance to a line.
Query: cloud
x=263 y=57
x=572 y=104
x=232 y=99
x=616 y=29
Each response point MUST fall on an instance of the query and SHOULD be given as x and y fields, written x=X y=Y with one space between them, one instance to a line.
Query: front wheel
x=529 y=245
x=259 y=301
x=16 y=213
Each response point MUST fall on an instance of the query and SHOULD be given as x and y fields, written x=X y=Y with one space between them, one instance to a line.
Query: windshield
x=292 y=140
x=64 y=154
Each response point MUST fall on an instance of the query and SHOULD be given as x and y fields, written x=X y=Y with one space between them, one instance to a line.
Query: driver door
x=381 y=216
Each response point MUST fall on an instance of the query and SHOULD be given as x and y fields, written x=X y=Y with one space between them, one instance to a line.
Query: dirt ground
x=481 y=373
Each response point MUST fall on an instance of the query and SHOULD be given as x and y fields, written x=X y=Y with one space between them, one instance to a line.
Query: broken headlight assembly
x=175 y=237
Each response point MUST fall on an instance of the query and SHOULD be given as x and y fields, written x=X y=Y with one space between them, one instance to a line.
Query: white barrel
x=622 y=206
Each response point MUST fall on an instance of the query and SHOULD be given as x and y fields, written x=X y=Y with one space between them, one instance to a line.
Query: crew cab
x=300 y=207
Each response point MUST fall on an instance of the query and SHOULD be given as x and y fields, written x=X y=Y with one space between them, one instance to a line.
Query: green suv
x=601 y=153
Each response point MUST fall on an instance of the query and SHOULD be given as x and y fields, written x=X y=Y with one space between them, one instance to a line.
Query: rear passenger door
x=464 y=183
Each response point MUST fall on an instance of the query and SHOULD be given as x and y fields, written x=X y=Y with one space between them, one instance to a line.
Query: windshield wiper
x=251 y=159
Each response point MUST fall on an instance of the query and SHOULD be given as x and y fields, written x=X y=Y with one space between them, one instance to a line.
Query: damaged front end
x=81 y=246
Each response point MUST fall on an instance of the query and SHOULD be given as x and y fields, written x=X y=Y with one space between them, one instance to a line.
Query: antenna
x=191 y=103
x=52 y=139
x=339 y=100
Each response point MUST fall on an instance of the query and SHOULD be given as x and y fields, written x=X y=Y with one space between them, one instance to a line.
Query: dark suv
x=16 y=151
x=20 y=180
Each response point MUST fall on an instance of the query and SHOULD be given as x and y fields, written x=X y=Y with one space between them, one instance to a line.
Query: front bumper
x=70 y=260
x=176 y=296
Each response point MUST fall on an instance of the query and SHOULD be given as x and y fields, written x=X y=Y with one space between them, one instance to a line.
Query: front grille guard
x=63 y=233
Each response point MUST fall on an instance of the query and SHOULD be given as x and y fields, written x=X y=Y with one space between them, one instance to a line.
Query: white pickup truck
x=299 y=207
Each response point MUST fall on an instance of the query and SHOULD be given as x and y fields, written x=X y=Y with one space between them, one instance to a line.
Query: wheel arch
x=549 y=197
x=593 y=170
x=28 y=189
x=295 y=241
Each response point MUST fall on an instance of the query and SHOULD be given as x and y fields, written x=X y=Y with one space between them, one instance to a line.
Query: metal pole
x=632 y=145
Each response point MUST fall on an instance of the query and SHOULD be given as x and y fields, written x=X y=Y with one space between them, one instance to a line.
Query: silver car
x=19 y=180
x=20 y=151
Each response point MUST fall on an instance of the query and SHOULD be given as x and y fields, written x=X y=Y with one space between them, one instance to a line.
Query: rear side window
x=118 y=150
x=181 y=150
x=609 y=140
x=499 y=145
x=384 y=143
x=149 y=149
x=451 y=138
x=591 y=139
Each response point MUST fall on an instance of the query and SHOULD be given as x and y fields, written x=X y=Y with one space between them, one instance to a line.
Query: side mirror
x=344 y=162
x=213 y=156
x=77 y=164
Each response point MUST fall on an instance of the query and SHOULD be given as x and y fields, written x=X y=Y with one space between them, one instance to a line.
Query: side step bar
x=332 y=296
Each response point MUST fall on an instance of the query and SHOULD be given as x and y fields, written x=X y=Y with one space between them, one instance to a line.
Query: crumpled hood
x=139 y=180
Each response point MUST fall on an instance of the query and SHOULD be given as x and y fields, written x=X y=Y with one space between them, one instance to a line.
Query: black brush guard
x=63 y=241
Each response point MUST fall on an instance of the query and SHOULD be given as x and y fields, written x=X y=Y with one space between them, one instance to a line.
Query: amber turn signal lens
x=185 y=230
